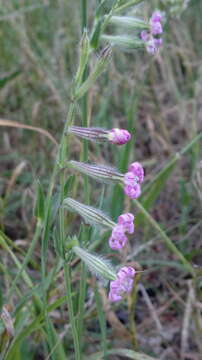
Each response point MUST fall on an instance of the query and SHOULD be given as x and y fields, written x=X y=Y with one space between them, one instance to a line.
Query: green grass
x=51 y=306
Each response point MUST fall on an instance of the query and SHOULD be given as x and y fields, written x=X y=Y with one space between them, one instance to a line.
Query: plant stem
x=71 y=311
x=83 y=279
x=131 y=307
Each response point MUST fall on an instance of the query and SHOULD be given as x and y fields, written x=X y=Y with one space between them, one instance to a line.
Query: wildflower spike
x=151 y=37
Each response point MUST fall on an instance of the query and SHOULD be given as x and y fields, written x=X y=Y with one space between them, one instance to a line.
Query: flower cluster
x=118 y=238
x=123 y=283
x=132 y=180
x=94 y=216
x=151 y=37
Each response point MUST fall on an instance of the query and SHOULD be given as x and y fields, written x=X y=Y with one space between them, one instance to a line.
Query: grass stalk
x=83 y=279
x=166 y=239
x=71 y=311
x=27 y=258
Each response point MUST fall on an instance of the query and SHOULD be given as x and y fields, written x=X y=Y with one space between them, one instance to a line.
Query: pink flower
x=126 y=271
x=127 y=221
x=152 y=43
x=156 y=28
x=130 y=179
x=157 y=16
x=151 y=47
x=118 y=238
x=145 y=35
x=114 y=294
x=122 y=285
x=158 y=42
x=137 y=169
x=132 y=191
x=119 y=136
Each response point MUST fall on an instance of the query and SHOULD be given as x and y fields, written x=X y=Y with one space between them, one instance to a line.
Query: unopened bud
x=98 y=172
x=119 y=136
x=115 y=136
x=129 y=22
x=96 y=264
x=123 y=41
x=91 y=215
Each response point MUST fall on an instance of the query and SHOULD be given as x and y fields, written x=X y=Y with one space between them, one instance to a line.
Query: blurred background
x=160 y=100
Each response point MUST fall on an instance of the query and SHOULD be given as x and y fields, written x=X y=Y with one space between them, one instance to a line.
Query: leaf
x=4 y=79
x=39 y=210
x=69 y=184
x=96 y=33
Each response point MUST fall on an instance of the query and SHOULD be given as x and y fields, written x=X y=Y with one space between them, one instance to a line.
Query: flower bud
x=92 y=134
x=91 y=215
x=129 y=22
x=99 y=172
x=123 y=41
x=96 y=264
x=115 y=136
x=119 y=136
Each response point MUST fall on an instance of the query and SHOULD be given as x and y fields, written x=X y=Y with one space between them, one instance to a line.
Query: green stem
x=166 y=239
x=27 y=257
x=131 y=308
x=71 y=311
x=83 y=14
x=83 y=279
